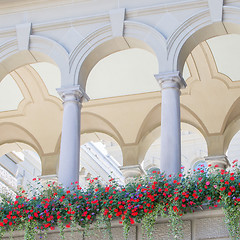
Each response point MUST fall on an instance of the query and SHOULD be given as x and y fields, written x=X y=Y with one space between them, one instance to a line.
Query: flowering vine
x=140 y=201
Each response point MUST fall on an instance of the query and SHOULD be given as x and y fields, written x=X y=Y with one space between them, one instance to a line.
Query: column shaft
x=170 y=131
x=70 y=141
x=170 y=159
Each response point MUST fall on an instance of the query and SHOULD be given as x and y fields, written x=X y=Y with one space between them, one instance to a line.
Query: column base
x=217 y=162
x=46 y=179
x=129 y=172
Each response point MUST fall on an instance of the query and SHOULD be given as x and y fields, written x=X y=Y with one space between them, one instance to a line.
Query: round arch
x=94 y=123
x=100 y=155
x=197 y=29
x=101 y=43
x=231 y=131
x=154 y=135
x=11 y=132
x=153 y=121
x=14 y=146
x=233 y=151
x=41 y=49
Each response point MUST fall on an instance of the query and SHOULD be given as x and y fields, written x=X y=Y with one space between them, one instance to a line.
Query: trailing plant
x=142 y=200
x=149 y=220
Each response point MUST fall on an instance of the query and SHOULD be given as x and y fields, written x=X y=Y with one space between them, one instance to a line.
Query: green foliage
x=142 y=200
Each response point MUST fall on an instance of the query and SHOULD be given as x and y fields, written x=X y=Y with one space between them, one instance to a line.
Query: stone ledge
x=200 y=225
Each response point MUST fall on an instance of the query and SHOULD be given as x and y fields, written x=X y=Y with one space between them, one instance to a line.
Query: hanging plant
x=140 y=201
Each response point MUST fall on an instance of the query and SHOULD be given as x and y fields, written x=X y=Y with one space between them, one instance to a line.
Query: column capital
x=129 y=172
x=218 y=162
x=73 y=93
x=170 y=80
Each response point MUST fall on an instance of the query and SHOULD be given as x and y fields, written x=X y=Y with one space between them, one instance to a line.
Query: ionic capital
x=171 y=80
x=72 y=94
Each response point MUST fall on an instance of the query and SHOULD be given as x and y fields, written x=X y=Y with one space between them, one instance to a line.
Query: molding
x=104 y=17
x=161 y=8
x=193 y=22
x=90 y=42
x=123 y=99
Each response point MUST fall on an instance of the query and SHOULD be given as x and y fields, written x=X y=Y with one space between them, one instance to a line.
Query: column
x=170 y=159
x=70 y=140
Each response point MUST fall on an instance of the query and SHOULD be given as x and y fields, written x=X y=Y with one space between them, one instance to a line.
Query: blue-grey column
x=170 y=159
x=70 y=140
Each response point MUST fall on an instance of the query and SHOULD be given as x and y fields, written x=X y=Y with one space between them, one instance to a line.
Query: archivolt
x=197 y=29
x=100 y=44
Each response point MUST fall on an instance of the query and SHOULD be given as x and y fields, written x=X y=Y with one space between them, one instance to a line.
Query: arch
x=194 y=145
x=230 y=132
x=232 y=114
x=153 y=120
x=146 y=143
x=233 y=150
x=150 y=136
x=14 y=146
x=41 y=49
x=101 y=43
x=11 y=132
x=94 y=123
x=231 y=124
x=101 y=155
x=189 y=117
x=197 y=29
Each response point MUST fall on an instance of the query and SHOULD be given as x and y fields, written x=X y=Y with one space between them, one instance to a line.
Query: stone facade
x=200 y=225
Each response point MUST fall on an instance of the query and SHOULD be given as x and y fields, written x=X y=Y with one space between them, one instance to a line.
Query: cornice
x=18 y=5
x=103 y=17
x=123 y=99
x=166 y=7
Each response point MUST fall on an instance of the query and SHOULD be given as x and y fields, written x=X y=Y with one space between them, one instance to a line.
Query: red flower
x=132 y=221
x=175 y=209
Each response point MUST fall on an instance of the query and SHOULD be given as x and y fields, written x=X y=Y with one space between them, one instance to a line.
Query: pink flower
x=207 y=183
